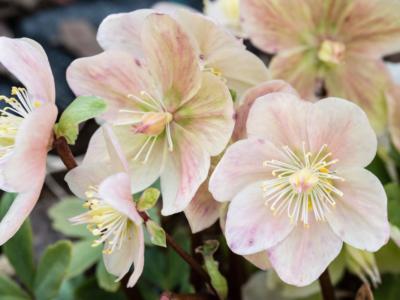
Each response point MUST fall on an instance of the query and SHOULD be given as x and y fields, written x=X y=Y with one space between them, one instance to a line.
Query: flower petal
x=241 y=165
x=305 y=253
x=203 y=211
x=31 y=146
x=27 y=61
x=116 y=192
x=251 y=225
x=299 y=68
x=276 y=25
x=250 y=96
x=218 y=49
x=138 y=256
x=209 y=115
x=123 y=31
x=372 y=28
x=360 y=216
x=185 y=170
x=393 y=97
x=172 y=59
x=279 y=118
x=260 y=260
x=19 y=211
x=112 y=75
x=364 y=82
x=115 y=151
x=345 y=129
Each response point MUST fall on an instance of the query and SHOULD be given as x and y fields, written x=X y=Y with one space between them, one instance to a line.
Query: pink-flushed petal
x=241 y=165
x=360 y=216
x=218 y=48
x=393 y=99
x=172 y=58
x=142 y=174
x=279 y=118
x=116 y=192
x=26 y=165
x=19 y=211
x=365 y=82
x=344 y=128
x=81 y=178
x=112 y=75
x=138 y=256
x=27 y=61
x=185 y=170
x=248 y=99
x=277 y=25
x=203 y=211
x=299 y=68
x=209 y=115
x=305 y=253
x=251 y=226
x=260 y=260
x=123 y=31
x=372 y=28
x=170 y=8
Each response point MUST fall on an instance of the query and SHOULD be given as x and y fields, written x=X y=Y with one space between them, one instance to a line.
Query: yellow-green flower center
x=302 y=184
x=331 y=52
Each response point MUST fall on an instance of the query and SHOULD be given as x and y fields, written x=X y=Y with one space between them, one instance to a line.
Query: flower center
x=331 y=52
x=231 y=9
x=110 y=226
x=303 y=184
x=18 y=106
x=152 y=119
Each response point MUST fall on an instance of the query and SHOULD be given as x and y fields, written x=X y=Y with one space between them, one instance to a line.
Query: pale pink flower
x=112 y=215
x=220 y=52
x=298 y=187
x=170 y=116
x=26 y=129
x=338 y=42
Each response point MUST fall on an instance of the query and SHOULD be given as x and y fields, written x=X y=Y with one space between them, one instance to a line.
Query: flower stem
x=65 y=153
x=328 y=293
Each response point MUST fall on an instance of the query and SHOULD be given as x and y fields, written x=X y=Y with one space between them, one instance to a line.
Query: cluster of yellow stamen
x=331 y=52
x=152 y=119
x=16 y=107
x=110 y=226
x=303 y=183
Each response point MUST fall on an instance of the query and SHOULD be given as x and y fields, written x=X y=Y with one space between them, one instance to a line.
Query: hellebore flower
x=26 y=128
x=170 y=116
x=338 y=42
x=220 y=52
x=298 y=187
x=112 y=214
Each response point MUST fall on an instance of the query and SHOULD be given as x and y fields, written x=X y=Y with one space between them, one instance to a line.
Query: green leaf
x=157 y=234
x=9 y=290
x=218 y=281
x=378 y=167
x=83 y=257
x=387 y=258
x=19 y=249
x=80 y=110
x=61 y=212
x=148 y=199
x=389 y=289
x=393 y=194
x=106 y=280
x=52 y=270
x=89 y=291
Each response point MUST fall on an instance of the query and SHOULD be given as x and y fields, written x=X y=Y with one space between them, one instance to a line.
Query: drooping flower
x=219 y=51
x=170 y=116
x=298 y=187
x=26 y=122
x=338 y=42
x=112 y=215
